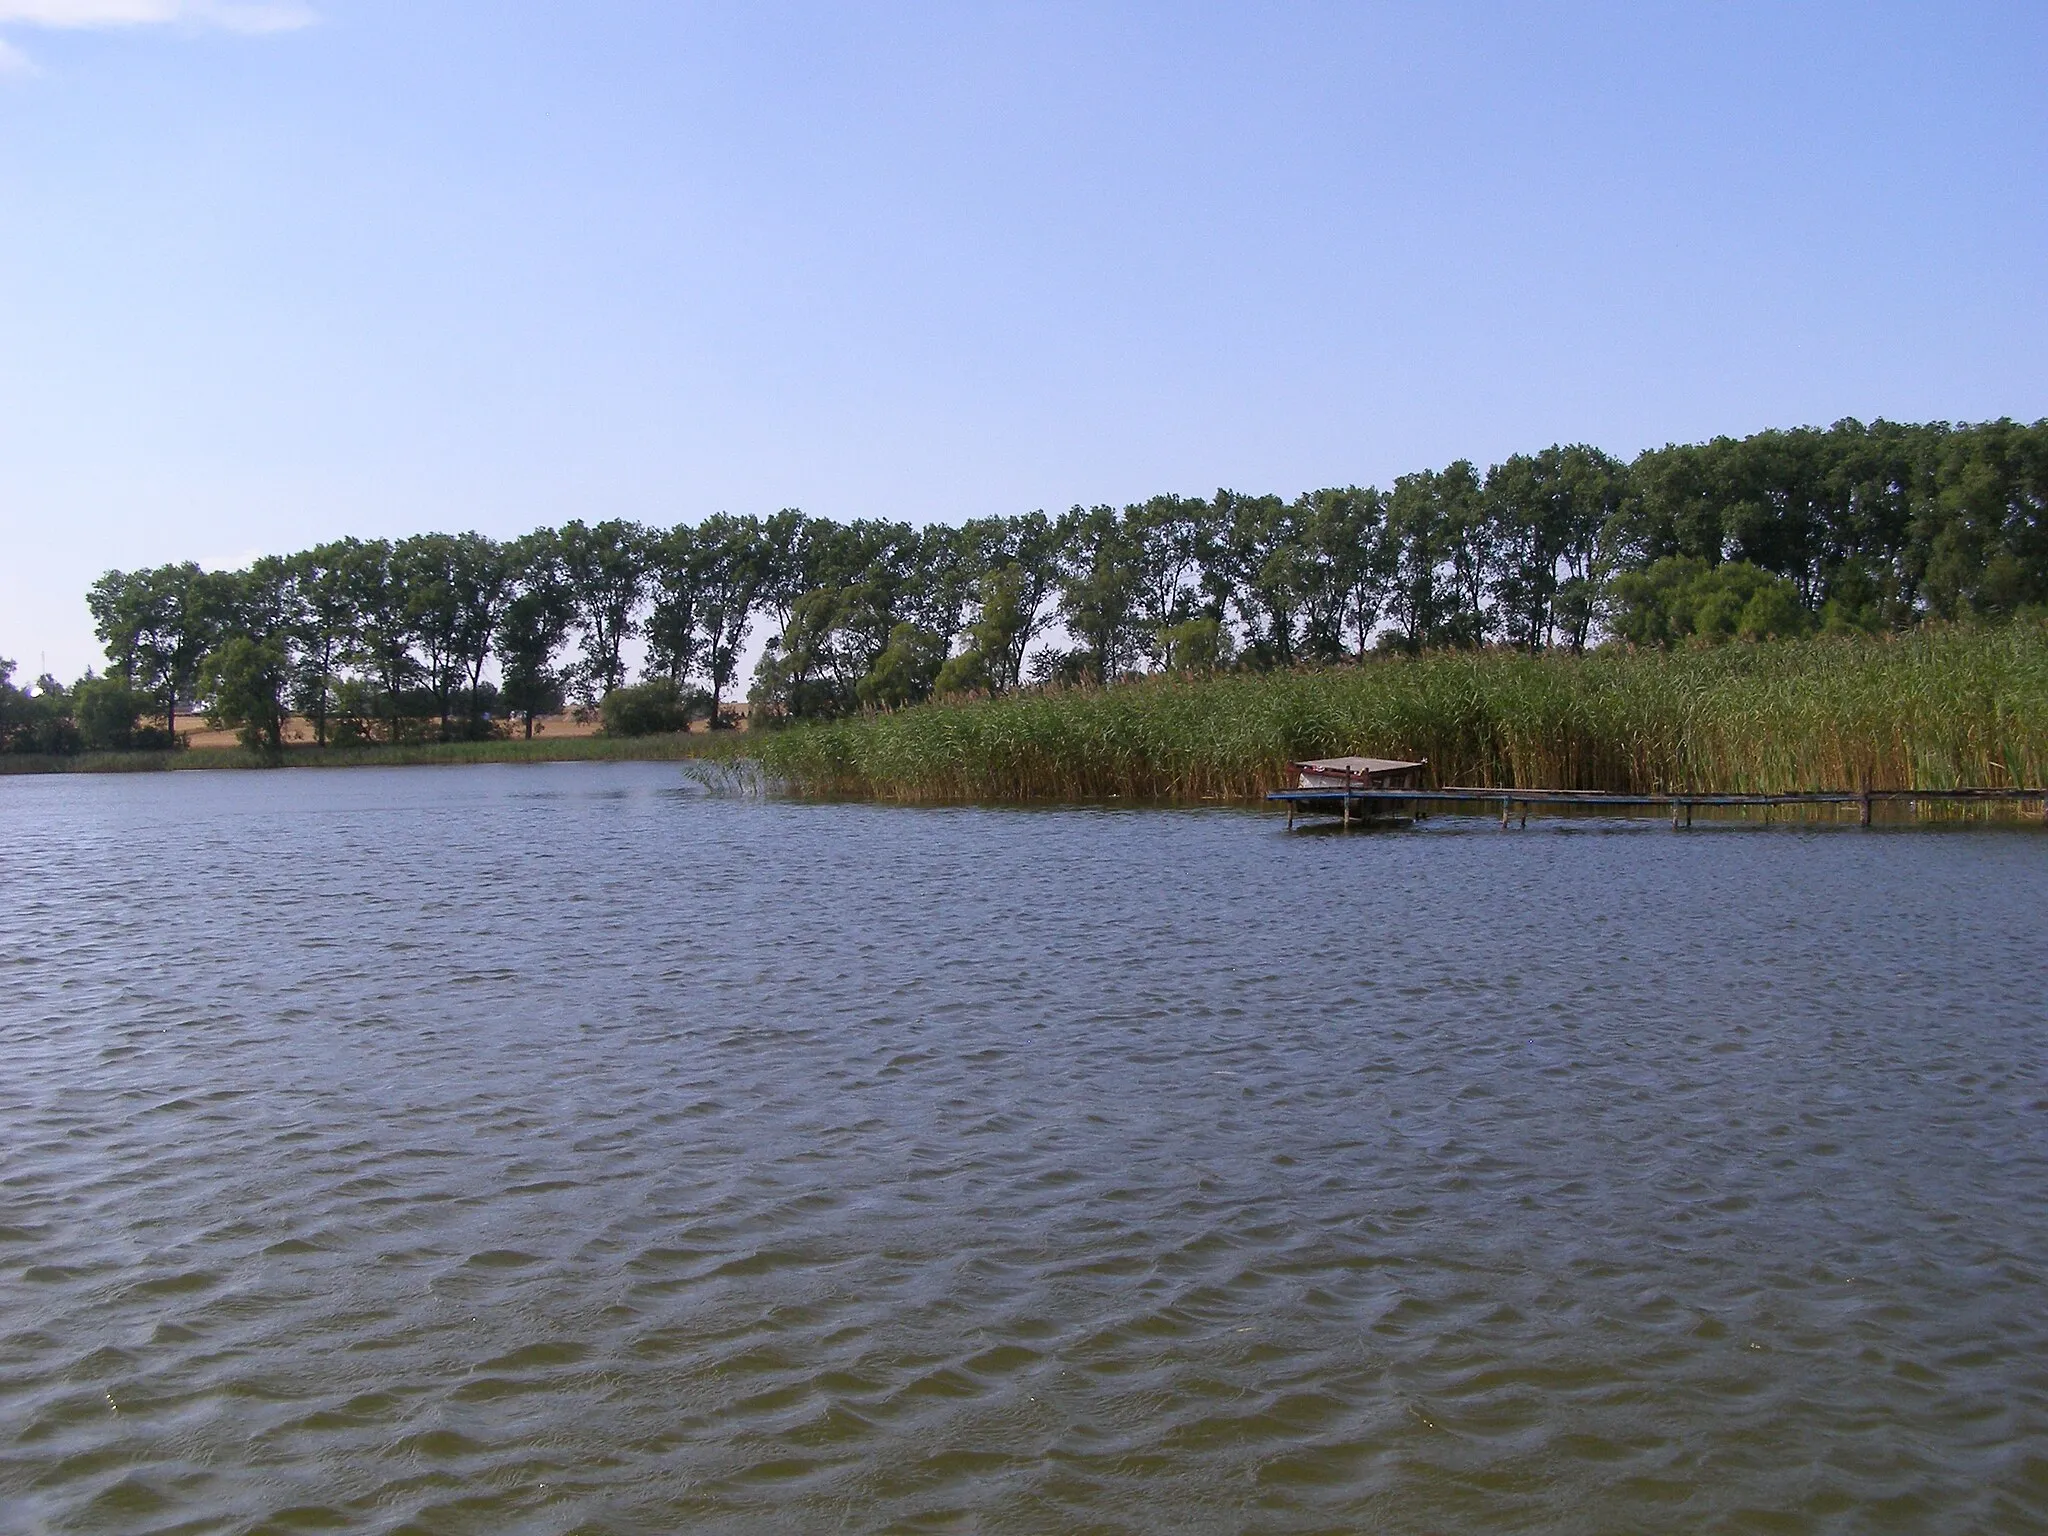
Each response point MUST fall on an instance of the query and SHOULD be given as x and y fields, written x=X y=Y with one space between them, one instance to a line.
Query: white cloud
x=12 y=60
x=233 y=15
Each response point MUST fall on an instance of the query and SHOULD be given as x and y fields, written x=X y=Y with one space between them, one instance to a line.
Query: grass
x=1942 y=707
x=723 y=745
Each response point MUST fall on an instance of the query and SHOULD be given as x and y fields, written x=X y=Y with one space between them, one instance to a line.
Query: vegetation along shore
x=1789 y=609
x=1946 y=706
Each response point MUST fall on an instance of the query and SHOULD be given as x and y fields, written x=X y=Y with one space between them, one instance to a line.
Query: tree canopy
x=1870 y=527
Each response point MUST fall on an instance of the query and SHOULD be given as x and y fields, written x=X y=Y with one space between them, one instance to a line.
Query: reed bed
x=1943 y=707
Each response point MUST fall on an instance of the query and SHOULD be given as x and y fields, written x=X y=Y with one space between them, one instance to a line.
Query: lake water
x=564 y=1149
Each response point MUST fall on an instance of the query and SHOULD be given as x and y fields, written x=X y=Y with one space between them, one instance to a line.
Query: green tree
x=906 y=669
x=1166 y=532
x=107 y=711
x=606 y=570
x=673 y=637
x=244 y=682
x=424 y=569
x=1016 y=588
x=1549 y=512
x=326 y=623
x=1682 y=599
x=1436 y=521
x=533 y=627
x=1343 y=571
x=39 y=721
x=1099 y=591
x=381 y=610
x=730 y=571
x=157 y=625
x=804 y=671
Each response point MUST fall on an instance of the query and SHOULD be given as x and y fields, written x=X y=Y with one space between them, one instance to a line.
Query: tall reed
x=1942 y=707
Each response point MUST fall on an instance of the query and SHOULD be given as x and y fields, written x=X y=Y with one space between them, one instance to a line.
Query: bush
x=37 y=723
x=904 y=672
x=1681 y=598
x=653 y=708
x=106 y=709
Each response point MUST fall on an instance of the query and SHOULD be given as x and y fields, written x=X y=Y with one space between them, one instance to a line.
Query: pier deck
x=1347 y=803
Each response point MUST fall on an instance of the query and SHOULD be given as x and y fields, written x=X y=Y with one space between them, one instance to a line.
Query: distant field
x=298 y=730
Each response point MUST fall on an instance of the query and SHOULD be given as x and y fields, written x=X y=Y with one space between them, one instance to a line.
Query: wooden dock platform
x=1350 y=803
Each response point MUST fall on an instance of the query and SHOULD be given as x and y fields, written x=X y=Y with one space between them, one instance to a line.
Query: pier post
x=1504 y=814
x=1347 y=810
x=1865 y=818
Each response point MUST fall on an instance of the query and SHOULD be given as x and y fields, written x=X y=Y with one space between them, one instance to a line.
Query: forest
x=447 y=637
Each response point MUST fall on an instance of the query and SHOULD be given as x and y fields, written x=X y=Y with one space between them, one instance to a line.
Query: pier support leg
x=1290 y=815
x=1504 y=815
x=1864 y=818
x=1347 y=813
x=1688 y=813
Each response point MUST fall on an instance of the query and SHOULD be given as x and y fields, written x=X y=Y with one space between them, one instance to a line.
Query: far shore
x=219 y=749
x=196 y=734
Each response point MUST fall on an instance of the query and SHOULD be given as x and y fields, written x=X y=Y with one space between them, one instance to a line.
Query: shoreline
x=1945 y=709
x=554 y=749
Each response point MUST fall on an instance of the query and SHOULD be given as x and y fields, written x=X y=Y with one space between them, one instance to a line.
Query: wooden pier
x=1361 y=803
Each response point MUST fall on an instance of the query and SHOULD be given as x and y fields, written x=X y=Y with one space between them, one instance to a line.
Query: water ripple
x=551 y=1150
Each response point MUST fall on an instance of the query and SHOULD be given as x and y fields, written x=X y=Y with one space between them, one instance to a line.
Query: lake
x=567 y=1149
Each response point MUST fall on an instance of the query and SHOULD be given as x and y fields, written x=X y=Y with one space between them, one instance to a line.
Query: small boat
x=1357 y=773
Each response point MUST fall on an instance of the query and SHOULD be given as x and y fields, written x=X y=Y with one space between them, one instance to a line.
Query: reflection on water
x=558 y=1149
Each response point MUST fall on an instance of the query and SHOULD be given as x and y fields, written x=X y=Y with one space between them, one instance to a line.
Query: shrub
x=653 y=708
x=107 y=710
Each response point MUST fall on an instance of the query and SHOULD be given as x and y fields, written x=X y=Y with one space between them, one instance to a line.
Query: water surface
x=560 y=1149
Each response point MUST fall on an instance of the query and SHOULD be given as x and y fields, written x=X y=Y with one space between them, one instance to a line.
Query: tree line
x=1781 y=533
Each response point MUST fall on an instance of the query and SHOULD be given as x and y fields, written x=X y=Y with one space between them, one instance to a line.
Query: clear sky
x=271 y=273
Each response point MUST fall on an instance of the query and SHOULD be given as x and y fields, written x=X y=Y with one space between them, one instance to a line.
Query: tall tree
x=424 y=567
x=1549 y=511
x=606 y=568
x=380 y=606
x=326 y=620
x=1017 y=561
x=1430 y=517
x=730 y=571
x=157 y=626
x=533 y=626
x=673 y=638
x=1166 y=532
x=1099 y=589
x=244 y=682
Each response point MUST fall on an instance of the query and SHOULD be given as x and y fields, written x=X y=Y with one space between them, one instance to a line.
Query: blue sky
x=270 y=273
